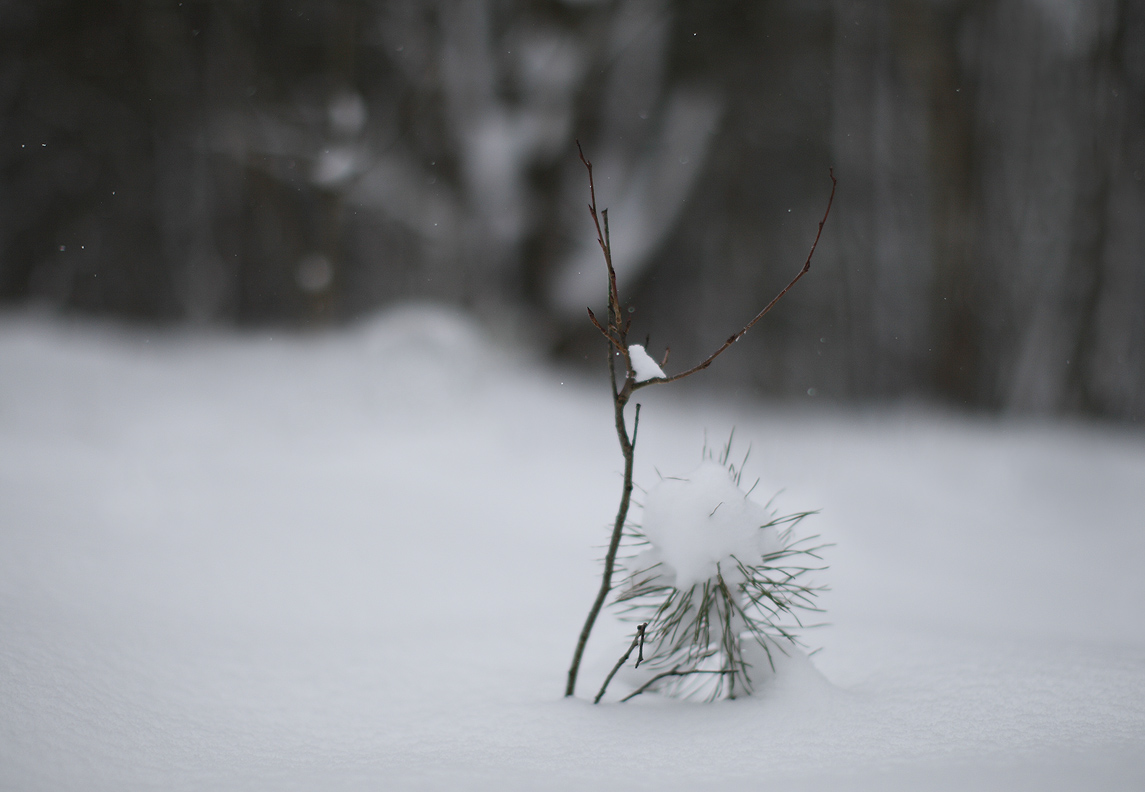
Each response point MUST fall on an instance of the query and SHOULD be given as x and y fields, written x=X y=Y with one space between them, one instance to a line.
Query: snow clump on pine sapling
x=719 y=584
x=694 y=523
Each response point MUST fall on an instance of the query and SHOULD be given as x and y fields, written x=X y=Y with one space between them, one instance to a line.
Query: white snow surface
x=359 y=560
x=699 y=520
x=644 y=367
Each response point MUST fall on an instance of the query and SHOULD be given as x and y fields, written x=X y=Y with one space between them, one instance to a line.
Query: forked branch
x=636 y=639
x=605 y=333
x=603 y=240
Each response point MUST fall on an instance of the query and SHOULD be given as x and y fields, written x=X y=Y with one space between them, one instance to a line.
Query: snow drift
x=358 y=560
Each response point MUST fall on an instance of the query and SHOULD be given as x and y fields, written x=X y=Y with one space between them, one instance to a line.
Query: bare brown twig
x=604 y=332
x=617 y=334
x=636 y=639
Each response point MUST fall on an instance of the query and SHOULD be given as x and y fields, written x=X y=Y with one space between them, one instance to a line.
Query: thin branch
x=674 y=672
x=735 y=337
x=602 y=238
x=640 y=653
x=612 y=376
x=617 y=334
x=608 y=246
x=603 y=332
x=636 y=639
x=627 y=447
x=615 y=322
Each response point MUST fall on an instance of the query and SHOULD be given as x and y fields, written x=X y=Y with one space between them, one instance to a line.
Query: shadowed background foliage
x=303 y=163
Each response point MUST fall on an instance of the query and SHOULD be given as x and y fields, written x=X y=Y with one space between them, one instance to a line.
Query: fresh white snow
x=359 y=560
x=696 y=521
x=643 y=366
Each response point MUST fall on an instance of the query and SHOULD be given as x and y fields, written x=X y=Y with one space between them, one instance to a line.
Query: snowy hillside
x=360 y=560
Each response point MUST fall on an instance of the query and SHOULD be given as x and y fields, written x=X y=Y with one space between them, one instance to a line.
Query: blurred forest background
x=304 y=163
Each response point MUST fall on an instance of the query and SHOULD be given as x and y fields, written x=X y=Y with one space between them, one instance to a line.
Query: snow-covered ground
x=360 y=560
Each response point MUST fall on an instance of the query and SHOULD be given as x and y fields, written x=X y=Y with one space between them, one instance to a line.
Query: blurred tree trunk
x=885 y=62
x=1111 y=357
x=1052 y=134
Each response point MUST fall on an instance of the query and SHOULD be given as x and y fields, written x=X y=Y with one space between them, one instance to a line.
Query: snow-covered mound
x=359 y=560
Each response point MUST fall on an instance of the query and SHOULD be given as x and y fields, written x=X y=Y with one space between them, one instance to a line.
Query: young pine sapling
x=719 y=584
x=641 y=371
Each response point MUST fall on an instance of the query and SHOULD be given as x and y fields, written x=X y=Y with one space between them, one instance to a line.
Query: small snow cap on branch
x=643 y=366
